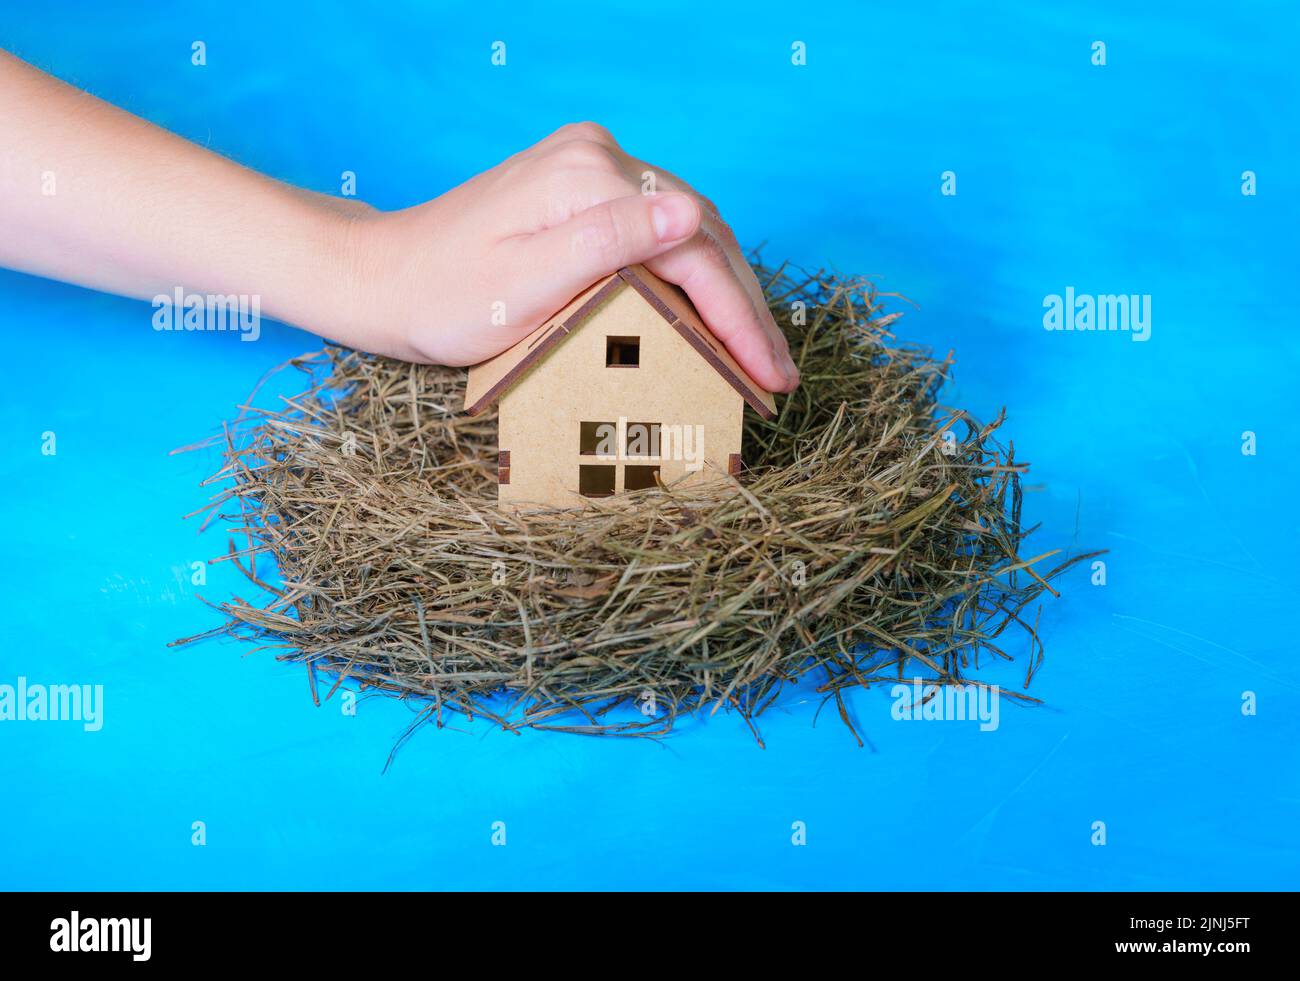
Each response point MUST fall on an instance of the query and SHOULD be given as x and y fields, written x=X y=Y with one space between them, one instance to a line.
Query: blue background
x=1123 y=178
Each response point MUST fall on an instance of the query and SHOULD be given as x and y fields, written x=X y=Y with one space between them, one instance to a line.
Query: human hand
x=532 y=233
x=141 y=211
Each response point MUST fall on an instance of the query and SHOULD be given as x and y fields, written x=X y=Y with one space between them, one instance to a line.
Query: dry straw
x=876 y=536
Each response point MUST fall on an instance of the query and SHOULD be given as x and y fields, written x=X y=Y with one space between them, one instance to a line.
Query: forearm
x=92 y=195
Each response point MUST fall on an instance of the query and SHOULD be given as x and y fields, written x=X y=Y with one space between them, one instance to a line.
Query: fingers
x=568 y=172
x=601 y=240
x=560 y=194
x=584 y=132
x=583 y=220
x=723 y=287
x=713 y=281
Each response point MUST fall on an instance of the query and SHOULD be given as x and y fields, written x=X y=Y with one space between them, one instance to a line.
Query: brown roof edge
x=628 y=274
x=718 y=365
x=557 y=333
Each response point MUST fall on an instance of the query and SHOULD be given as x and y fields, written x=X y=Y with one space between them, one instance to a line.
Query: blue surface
x=1122 y=178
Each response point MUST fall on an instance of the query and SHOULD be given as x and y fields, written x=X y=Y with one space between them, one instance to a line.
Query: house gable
x=672 y=303
x=548 y=418
x=489 y=380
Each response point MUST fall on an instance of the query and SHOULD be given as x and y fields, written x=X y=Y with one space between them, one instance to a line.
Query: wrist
x=332 y=294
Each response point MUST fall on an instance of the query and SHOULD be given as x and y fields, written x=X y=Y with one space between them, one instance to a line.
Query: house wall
x=540 y=416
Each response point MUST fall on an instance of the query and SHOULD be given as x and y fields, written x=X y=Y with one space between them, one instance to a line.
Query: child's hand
x=532 y=233
x=123 y=206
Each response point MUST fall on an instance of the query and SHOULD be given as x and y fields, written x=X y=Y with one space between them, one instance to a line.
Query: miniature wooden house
x=623 y=388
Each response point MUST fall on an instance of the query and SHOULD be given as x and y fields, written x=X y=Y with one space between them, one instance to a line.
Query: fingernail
x=673 y=216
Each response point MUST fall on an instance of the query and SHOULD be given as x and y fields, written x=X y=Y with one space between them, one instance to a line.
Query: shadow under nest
x=873 y=529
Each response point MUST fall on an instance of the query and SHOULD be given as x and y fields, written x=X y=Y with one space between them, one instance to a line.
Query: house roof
x=493 y=378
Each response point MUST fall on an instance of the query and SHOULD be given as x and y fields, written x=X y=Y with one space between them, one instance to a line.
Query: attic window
x=622 y=352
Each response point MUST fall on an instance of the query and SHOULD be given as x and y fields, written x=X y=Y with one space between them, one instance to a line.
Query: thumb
x=608 y=236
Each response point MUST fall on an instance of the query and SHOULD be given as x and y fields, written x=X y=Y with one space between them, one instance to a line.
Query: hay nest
x=876 y=536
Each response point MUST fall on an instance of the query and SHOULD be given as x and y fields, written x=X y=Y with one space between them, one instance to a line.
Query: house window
x=622 y=352
x=642 y=439
x=597 y=438
x=600 y=440
x=638 y=477
x=595 y=480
